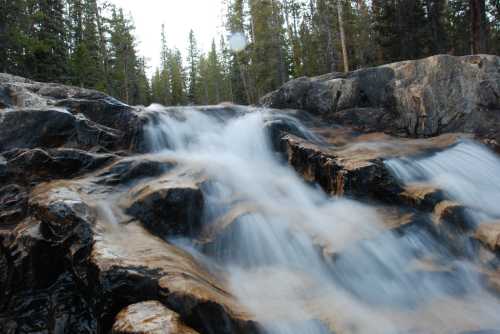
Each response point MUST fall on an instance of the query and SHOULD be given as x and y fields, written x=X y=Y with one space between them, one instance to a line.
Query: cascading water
x=468 y=172
x=274 y=250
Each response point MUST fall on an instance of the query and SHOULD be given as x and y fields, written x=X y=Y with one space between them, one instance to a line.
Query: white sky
x=179 y=16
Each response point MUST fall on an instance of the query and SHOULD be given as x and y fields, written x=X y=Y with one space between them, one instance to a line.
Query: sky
x=179 y=16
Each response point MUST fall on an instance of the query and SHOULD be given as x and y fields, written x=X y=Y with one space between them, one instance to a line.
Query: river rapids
x=301 y=260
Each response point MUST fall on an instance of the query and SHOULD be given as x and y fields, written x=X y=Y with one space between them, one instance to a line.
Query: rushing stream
x=300 y=260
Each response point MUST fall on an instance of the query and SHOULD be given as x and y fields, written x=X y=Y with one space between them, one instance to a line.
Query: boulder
x=52 y=128
x=44 y=260
x=417 y=98
x=169 y=206
x=338 y=175
x=149 y=317
x=56 y=113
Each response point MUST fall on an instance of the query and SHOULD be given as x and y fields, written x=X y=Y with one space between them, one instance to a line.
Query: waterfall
x=467 y=172
x=275 y=252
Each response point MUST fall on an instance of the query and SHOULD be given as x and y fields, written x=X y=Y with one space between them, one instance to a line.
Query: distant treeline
x=90 y=43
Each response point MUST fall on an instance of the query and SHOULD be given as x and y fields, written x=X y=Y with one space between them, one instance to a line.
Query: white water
x=275 y=265
x=468 y=172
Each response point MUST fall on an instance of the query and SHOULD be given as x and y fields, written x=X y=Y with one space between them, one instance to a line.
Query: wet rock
x=417 y=98
x=170 y=206
x=132 y=169
x=109 y=113
x=149 y=317
x=339 y=176
x=40 y=165
x=302 y=93
x=422 y=196
x=99 y=119
x=488 y=234
x=451 y=214
x=13 y=204
x=52 y=128
x=134 y=266
x=44 y=262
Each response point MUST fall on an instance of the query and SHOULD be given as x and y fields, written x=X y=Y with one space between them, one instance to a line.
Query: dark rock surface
x=169 y=206
x=53 y=115
x=419 y=98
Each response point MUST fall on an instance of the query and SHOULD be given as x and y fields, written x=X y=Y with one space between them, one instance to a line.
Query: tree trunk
x=342 y=36
x=478 y=26
x=102 y=46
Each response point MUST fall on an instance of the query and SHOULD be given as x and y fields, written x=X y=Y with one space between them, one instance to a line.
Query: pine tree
x=268 y=63
x=142 y=89
x=123 y=62
x=86 y=61
x=479 y=30
x=242 y=84
x=13 y=39
x=345 y=56
x=193 y=60
x=225 y=68
x=437 y=25
x=47 y=47
x=459 y=29
x=177 y=78
x=203 y=77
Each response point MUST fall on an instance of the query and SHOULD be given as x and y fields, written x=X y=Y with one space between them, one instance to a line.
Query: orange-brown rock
x=422 y=196
x=488 y=233
x=149 y=317
x=452 y=214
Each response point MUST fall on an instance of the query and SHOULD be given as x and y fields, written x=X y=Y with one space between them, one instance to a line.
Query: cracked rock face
x=419 y=98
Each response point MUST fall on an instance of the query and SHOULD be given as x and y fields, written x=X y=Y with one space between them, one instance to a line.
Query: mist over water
x=303 y=262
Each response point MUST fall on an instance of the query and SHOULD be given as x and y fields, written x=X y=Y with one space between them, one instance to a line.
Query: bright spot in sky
x=237 y=41
x=179 y=16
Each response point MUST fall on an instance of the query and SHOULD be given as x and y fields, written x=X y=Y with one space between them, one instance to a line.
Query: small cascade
x=467 y=172
x=276 y=242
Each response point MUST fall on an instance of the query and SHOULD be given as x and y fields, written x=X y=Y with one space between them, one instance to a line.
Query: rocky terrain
x=88 y=211
x=423 y=98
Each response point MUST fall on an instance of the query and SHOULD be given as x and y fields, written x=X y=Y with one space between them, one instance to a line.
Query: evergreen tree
x=46 y=51
x=241 y=81
x=177 y=78
x=479 y=29
x=225 y=68
x=203 y=77
x=142 y=89
x=459 y=27
x=437 y=11
x=193 y=59
x=86 y=61
x=123 y=61
x=14 y=23
x=268 y=61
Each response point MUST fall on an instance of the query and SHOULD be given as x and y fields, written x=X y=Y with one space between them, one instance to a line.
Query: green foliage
x=70 y=41
x=90 y=43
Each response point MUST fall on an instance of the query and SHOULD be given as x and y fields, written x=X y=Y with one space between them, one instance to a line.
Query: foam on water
x=274 y=256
